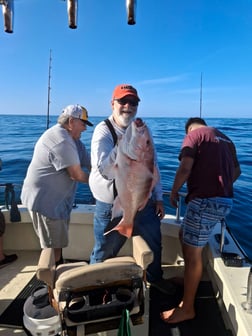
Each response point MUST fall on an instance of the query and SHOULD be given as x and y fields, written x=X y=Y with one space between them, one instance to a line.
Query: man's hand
x=160 y=211
x=174 y=198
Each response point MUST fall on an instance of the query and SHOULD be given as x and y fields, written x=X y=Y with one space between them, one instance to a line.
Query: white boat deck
x=13 y=279
x=18 y=274
x=231 y=286
x=230 y=283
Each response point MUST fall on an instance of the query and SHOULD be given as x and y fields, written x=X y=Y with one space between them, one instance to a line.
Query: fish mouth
x=139 y=122
x=139 y=125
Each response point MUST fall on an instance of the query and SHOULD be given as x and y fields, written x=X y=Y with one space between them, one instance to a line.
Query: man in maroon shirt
x=209 y=165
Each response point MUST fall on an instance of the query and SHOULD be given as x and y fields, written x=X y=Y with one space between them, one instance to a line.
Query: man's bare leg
x=57 y=254
x=192 y=277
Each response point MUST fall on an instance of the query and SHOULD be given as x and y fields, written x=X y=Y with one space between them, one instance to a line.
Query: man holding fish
x=125 y=182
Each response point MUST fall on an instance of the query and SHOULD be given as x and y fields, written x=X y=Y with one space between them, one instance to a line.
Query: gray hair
x=63 y=119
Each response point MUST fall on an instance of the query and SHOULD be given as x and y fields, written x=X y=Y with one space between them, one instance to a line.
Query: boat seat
x=92 y=297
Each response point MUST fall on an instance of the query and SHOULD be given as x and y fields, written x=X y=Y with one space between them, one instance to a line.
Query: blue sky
x=163 y=56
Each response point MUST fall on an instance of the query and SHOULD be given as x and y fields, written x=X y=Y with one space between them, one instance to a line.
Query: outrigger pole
x=49 y=91
x=201 y=95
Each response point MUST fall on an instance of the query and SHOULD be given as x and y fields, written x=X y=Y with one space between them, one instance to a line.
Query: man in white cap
x=51 y=181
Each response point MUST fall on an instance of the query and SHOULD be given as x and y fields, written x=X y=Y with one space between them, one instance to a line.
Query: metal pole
x=201 y=95
x=49 y=90
x=223 y=230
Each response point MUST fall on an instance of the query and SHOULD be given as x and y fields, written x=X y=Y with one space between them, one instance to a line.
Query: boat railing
x=9 y=193
x=9 y=198
x=7 y=187
x=9 y=190
x=181 y=195
x=4 y=185
x=235 y=260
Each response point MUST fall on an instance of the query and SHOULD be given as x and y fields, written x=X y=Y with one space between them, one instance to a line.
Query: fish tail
x=123 y=228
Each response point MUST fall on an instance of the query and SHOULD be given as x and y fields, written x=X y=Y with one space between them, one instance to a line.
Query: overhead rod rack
x=72 y=13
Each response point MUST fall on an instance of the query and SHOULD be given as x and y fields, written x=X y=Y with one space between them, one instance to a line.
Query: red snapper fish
x=135 y=175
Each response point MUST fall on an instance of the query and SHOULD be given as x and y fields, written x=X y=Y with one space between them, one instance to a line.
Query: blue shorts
x=201 y=216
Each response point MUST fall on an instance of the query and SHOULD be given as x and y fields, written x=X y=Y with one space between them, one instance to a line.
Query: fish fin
x=105 y=233
x=124 y=229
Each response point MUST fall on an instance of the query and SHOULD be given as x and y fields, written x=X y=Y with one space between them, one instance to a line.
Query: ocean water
x=19 y=134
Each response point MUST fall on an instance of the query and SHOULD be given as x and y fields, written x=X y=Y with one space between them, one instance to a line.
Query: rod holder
x=131 y=11
x=222 y=238
x=8 y=10
x=248 y=304
x=72 y=7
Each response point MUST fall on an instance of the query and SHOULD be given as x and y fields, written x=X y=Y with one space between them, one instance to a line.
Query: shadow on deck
x=208 y=320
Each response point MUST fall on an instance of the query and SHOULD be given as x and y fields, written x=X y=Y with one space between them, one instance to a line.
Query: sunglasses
x=83 y=121
x=124 y=101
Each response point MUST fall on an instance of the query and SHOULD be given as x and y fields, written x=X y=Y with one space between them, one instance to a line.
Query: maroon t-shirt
x=215 y=159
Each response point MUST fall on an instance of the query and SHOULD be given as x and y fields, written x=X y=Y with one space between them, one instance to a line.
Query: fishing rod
x=201 y=95
x=49 y=90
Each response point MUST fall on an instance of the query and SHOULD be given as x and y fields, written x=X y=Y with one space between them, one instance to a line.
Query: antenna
x=201 y=95
x=49 y=90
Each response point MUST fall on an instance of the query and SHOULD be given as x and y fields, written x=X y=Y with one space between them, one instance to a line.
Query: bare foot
x=165 y=315
x=176 y=315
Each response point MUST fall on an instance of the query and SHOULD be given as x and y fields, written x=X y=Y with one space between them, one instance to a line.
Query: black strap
x=112 y=130
x=114 y=135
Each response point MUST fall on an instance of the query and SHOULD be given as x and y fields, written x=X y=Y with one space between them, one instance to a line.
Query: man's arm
x=182 y=174
x=77 y=174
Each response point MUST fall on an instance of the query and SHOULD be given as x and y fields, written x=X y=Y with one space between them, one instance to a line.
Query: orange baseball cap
x=123 y=90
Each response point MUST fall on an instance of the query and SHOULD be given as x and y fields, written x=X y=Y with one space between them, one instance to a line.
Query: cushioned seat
x=87 y=295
